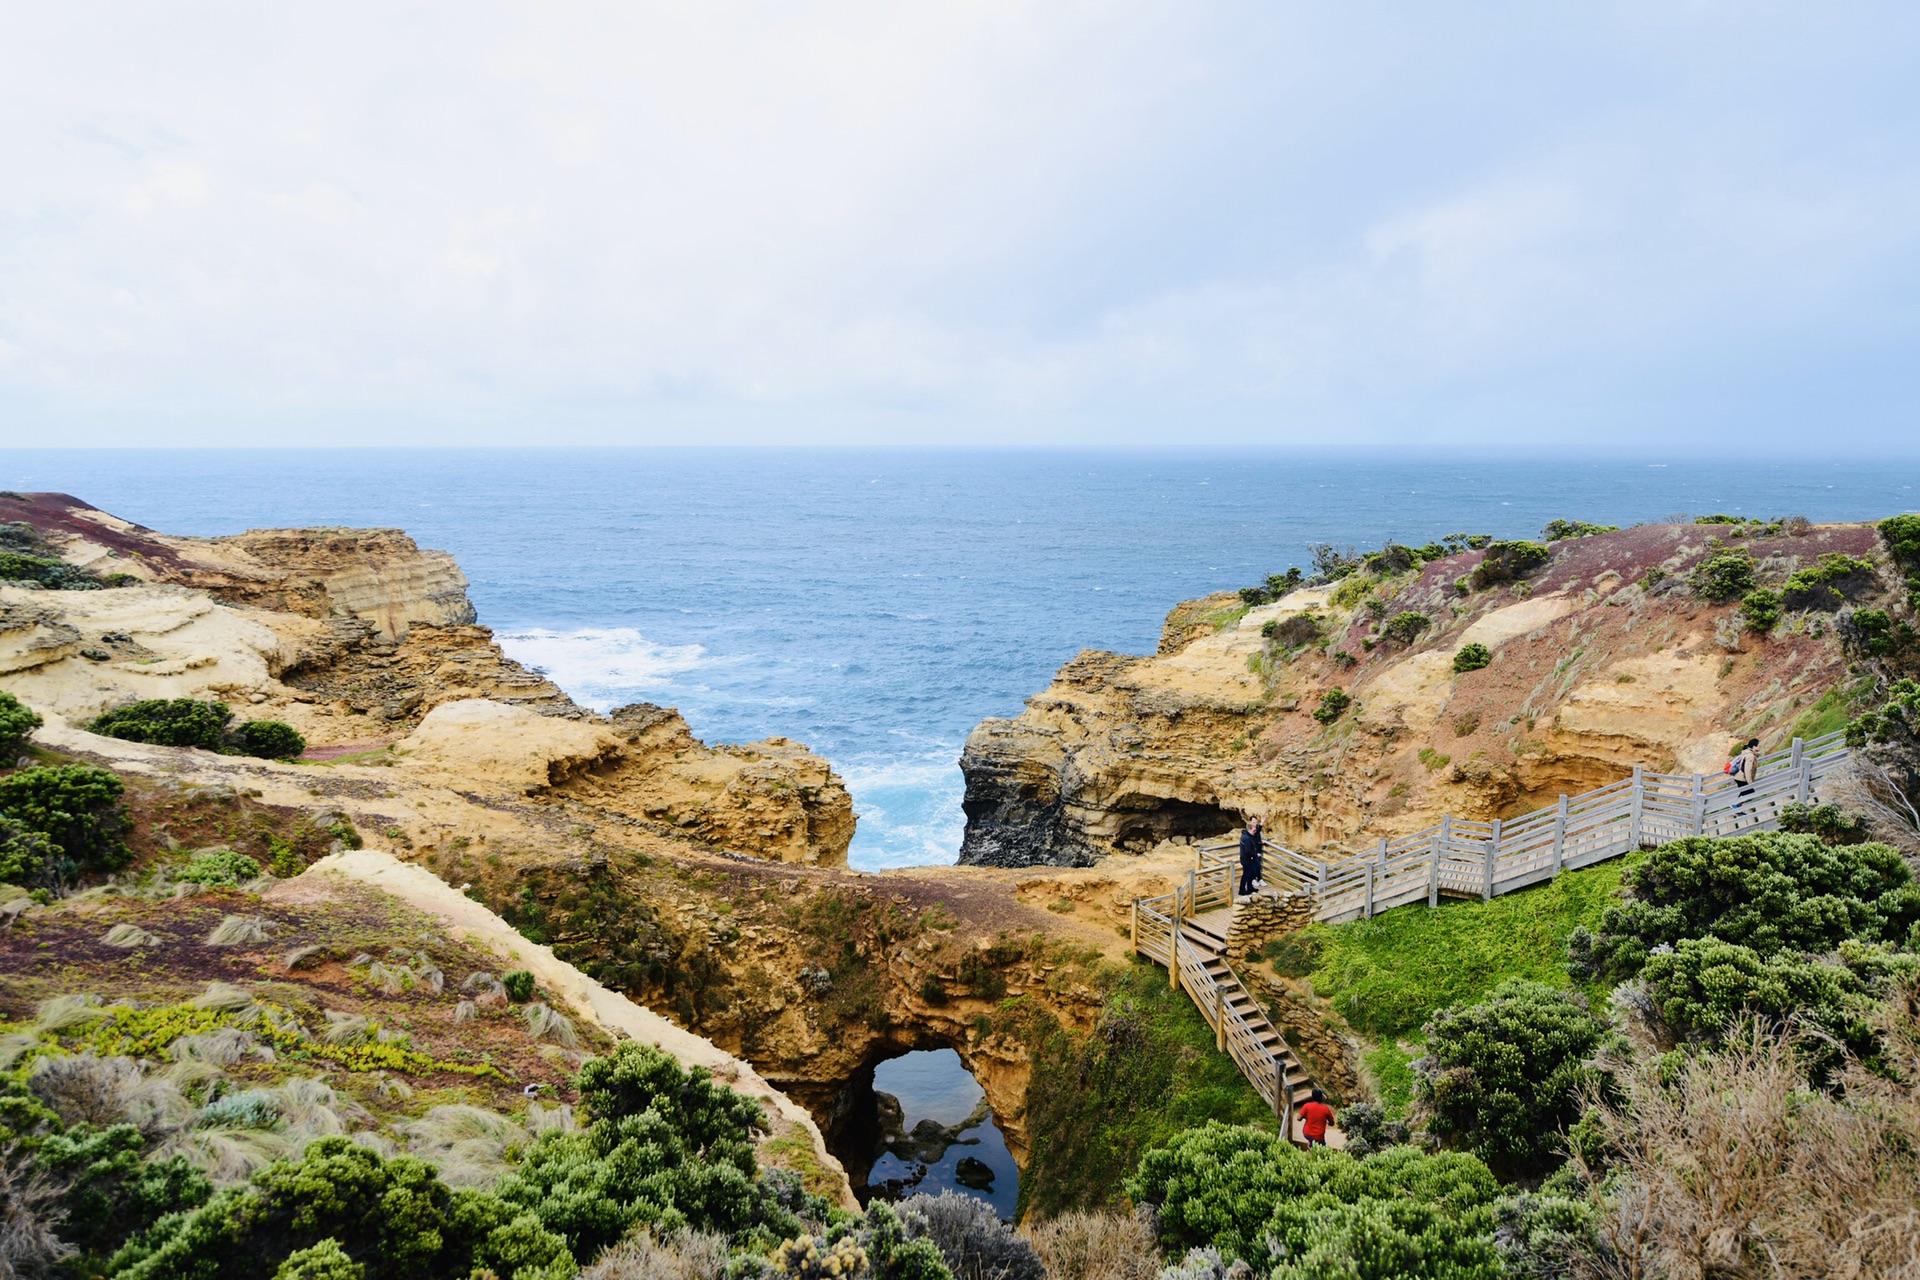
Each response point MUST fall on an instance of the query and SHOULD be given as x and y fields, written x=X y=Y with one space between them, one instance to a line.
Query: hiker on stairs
x=1744 y=767
x=1315 y=1116
x=1250 y=850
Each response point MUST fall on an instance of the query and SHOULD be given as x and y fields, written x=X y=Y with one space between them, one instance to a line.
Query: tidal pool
x=930 y=1131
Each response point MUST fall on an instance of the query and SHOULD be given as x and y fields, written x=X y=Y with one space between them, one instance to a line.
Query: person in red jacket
x=1315 y=1116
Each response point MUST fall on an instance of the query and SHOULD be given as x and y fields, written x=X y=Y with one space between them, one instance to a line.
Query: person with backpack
x=1315 y=1116
x=1743 y=769
x=1250 y=851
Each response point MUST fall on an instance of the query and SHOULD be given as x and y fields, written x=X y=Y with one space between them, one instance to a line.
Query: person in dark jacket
x=1250 y=851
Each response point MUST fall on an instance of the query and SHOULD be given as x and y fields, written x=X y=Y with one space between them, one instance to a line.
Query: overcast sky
x=1669 y=225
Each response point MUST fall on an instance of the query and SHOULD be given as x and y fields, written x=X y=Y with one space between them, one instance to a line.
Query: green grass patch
x=1097 y=1102
x=1388 y=975
x=1835 y=708
x=1392 y=1070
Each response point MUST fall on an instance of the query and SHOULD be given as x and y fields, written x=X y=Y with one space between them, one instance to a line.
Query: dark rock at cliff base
x=1015 y=811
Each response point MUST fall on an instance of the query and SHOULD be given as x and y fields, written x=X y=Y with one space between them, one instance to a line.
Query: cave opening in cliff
x=919 y=1123
x=1157 y=820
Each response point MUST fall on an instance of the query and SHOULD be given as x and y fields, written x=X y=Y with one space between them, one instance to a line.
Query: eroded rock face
x=364 y=643
x=1602 y=659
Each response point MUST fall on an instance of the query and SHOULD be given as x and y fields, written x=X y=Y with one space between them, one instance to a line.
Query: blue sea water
x=877 y=604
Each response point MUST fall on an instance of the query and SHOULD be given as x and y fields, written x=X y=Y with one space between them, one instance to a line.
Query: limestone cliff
x=1602 y=658
x=367 y=645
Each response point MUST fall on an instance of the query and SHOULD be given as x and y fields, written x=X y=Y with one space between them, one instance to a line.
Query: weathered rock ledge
x=1602 y=658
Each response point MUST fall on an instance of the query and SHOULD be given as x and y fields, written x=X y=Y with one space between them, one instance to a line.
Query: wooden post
x=1804 y=768
x=1560 y=834
x=1699 y=804
x=1383 y=853
x=1493 y=856
x=1441 y=837
x=1370 y=871
x=1281 y=1110
x=1133 y=923
x=1173 y=955
x=1320 y=882
x=1639 y=795
x=1219 y=1018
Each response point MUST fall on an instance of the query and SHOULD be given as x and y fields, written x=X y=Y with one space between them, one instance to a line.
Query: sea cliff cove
x=308 y=878
x=1015 y=641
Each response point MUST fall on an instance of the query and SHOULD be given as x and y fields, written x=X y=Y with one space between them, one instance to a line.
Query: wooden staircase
x=1190 y=939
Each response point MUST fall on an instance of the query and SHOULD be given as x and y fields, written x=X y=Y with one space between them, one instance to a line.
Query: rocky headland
x=1596 y=653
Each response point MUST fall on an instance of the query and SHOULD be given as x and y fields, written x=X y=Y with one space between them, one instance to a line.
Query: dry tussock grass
x=1737 y=1169
x=1096 y=1246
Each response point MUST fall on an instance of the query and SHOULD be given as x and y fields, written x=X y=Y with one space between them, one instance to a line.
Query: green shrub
x=77 y=808
x=17 y=720
x=1897 y=720
x=115 y=1187
x=1471 y=657
x=167 y=722
x=324 y=1261
x=1399 y=1214
x=519 y=985
x=1505 y=1078
x=25 y=853
x=1902 y=535
x=1251 y=596
x=1761 y=609
x=1723 y=577
x=667 y=1148
x=1406 y=626
x=1280 y=584
x=1560 y=530
x=1827 y=583
x=1830 y=823
x=1771 y=892
x=221 y=867
x=1333 y=705
x=54 y=574
x=395 y=1218
x=1508 y=562
x=1875 y=633
x=269 y=739
x=1705 y=987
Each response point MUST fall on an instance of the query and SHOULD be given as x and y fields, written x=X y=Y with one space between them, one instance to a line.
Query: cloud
x=1000 y=222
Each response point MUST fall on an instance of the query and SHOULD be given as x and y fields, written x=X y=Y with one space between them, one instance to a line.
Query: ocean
x=877 y=604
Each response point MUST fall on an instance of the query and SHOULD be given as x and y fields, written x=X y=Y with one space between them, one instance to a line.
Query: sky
x=1686 y=225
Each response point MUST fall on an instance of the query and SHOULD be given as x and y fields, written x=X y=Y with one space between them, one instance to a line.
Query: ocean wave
x=602 y=667
x=909 y=813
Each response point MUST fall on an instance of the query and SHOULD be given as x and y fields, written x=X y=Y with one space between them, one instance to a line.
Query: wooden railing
x=1457 y=857
x=1460 y=857
x=1240 y=1029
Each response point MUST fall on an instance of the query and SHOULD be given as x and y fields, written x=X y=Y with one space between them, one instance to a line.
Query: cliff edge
x=1481 y=681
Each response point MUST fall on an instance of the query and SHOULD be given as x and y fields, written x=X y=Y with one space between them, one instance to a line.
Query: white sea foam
x=909 y=812
x=602 y=667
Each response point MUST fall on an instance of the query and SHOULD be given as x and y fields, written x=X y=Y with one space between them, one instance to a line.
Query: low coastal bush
x=1505 y=1078
x=1771 y=892
x=1560 y=530
x=1827 y=583
x=1257 y=1200
x=53 y=574
x=1508 y=562
x=1874 y=633
x=1471 y=656
x=1333 y=705
x=518 y=984
x=1723 y=577
x=269 y=740
x=1830 y=823
x=77 y=809
x=167 y=722
x=1406 y=626
x=17 y=721
x=221 y=868
x=192 y=722
x=1761 y=609
x=1902 y=536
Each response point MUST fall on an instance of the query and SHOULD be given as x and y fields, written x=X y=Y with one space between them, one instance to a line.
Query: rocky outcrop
x=366 y=644
x=1602 y=658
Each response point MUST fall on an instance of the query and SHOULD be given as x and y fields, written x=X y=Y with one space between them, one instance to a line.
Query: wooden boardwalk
x=1186 y=930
